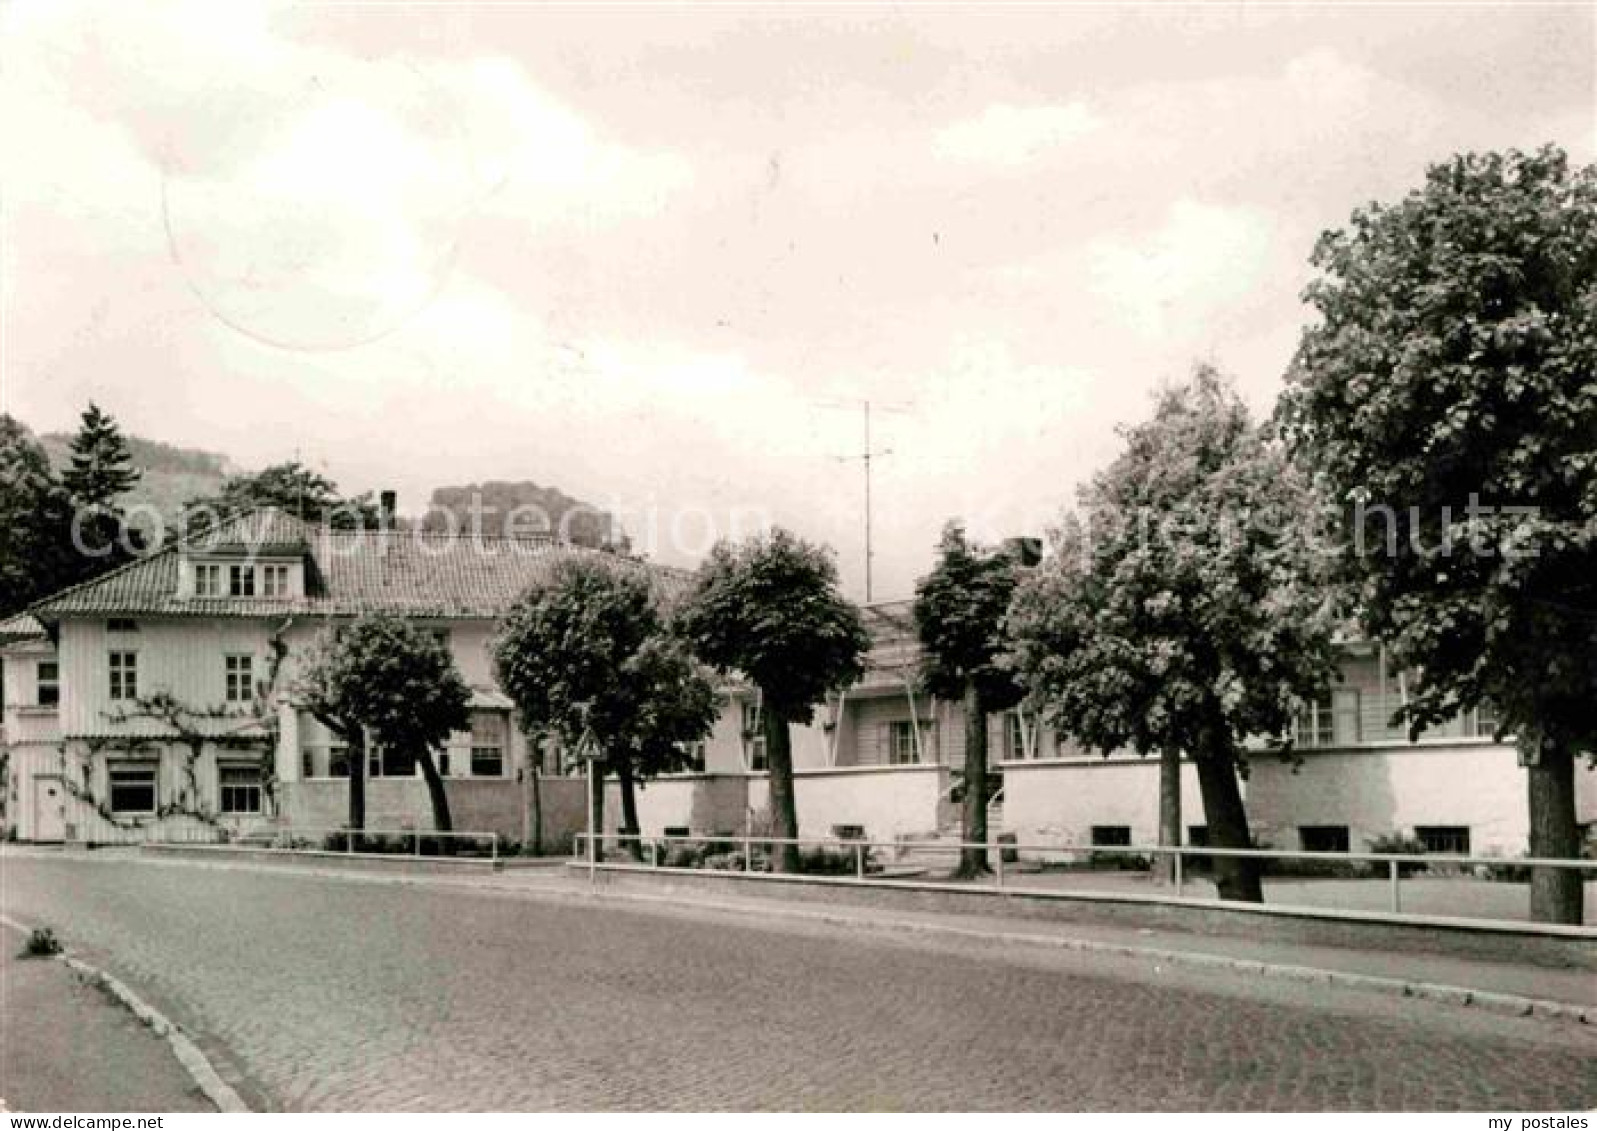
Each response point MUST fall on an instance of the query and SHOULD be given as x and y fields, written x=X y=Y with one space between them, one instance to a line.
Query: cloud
x=1013 y=135
x=314 y=199
x=1165 y=283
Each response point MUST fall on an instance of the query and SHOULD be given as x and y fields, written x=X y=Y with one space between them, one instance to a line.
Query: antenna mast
x=866 y=456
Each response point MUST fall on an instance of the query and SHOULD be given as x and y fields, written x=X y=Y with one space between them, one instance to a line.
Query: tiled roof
x=20 y=627
x=347 y=573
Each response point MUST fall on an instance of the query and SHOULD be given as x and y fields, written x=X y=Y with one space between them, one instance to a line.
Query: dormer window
x=241 y=581
x=207 y=579
x=274 y=581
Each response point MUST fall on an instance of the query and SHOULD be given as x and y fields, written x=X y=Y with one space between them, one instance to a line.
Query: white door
x=49 y=808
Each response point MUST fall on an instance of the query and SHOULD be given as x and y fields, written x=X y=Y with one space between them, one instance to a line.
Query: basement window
x=1323 y=838
x=1444 y=839
x=1111 y=836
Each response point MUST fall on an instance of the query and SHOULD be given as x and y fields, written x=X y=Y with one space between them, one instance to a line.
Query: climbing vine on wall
x=191 y=727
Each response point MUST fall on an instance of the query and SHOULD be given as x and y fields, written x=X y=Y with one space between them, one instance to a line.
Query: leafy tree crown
x=1451 y=365
x=1181 y=607
x=770 y=609
x=390 y=677
x=959 y=616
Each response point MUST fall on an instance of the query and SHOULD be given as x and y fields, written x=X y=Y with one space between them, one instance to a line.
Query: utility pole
x=866 y=456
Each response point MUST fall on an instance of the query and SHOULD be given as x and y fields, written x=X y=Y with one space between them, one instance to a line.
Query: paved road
x=341 y=994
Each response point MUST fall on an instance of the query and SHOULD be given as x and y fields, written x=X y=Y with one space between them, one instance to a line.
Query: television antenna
x=866 y=456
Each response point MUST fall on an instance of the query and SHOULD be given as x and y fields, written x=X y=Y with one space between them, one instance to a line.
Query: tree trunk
x=1556 y=894
x=356 y=745
x=532 y=802
x=440 y=802
x=596 y=805
x=973 y=826
x=629 y=809
x=784 y=808
x=1169 y=811
x=1236 y=877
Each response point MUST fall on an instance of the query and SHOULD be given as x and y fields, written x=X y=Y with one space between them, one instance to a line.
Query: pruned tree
x=1446 y=397
x=959 y=616
x=769 y=609
x=585 y=653
x=382 y=677
x=1181 y=608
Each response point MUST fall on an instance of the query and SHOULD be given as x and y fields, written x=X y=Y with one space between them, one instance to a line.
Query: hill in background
x=170 y=476
x=576 y=520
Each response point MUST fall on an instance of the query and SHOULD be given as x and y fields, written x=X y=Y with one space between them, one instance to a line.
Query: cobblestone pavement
x=344 y=994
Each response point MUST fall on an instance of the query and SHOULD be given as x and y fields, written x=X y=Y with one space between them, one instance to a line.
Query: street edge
x=188 y=1054
x=1512 y=1005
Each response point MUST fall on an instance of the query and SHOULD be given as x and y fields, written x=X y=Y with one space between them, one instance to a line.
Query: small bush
x=681 y=854
x=41 y=943
x=1396 y=844
x=823 y=861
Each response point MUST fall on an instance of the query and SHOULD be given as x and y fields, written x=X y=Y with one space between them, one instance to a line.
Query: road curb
x=188 y=1054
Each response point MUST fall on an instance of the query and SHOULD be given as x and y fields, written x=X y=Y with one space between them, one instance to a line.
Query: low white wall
x=1060 y=801
x=1384 y=790
x=887 y=801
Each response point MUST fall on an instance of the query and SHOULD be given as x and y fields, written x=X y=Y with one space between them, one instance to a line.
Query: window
x=488 y=731
x=207 y=579
x=1483 y=722
x=441 y=635
x=240 y=679
x=443 y=763
x=1323 y=838
x=338 y=761
x=1330 y=720
x=903 y=747
x=1451 y=839
x=240 y=789
x=753 y=737
x=124 y=675
x=133 y=788
x=121 y=624
x=1014 y=736
x=1111 y=836
x=274 y=581
x=694 y=753
x=241 y=581
x=49 y=683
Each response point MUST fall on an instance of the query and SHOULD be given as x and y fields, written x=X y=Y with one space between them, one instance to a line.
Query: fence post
x=748 y=855
x=418 y=842
x=999 y=856
x=349 y=841
x=859 y=859
x=1177 y=852
x=1397 y=900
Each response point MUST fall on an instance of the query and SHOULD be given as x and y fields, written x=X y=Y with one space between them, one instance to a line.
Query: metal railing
x=1187 y=862
x=342 y=839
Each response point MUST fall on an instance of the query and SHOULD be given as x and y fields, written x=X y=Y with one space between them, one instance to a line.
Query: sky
x=659 y=257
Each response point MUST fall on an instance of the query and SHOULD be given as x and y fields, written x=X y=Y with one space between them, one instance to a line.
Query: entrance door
x=49 y=808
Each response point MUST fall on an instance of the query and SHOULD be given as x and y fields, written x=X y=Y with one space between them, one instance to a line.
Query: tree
x=296 y=489
x=100 y=473
x=959 y=615
x=102 y=468
x=769 y=609
x=1446 y=393
x=384 y=678
x=584 y=653
x=36 y=556
x=1181 y=609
